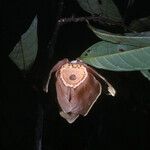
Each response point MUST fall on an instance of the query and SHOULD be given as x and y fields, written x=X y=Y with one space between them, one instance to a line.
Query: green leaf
x=91 y=6
x=138 y=39
x=142 y=24
x=24 y=53
x=146 y=74
x=130 y=3
x=117 y=57
x=106 y=8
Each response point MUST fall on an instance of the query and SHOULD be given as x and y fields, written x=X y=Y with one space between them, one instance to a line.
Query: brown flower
x=78 y=87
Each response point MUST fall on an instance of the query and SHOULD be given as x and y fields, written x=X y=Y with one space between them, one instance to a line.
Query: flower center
x=73 y=77
x=73 y=74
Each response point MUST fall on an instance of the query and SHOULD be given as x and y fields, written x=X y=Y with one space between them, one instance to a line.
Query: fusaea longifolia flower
x=78 y=86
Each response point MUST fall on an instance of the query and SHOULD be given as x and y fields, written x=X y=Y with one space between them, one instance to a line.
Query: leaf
x=139 y=34
x=24 y=53
x=138 y=39
x=130 y=3
x=146 y=73
x=107 y=8
x=91 y=6
x=117 y=57
x=142 y=24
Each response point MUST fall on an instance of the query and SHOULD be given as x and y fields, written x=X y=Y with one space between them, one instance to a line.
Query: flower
x=78 y=86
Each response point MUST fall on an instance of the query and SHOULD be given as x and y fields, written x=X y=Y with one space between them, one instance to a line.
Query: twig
x=52 y=42
x=101 y=19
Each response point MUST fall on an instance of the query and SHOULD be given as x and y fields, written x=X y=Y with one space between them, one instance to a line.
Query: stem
x=101 y=19
x=52 y=42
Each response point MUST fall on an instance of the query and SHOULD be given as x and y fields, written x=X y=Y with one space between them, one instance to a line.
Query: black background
x=120 y=123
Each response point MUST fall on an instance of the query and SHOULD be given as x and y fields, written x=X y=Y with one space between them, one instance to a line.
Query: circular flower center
x=73 y=74
x=73 y=77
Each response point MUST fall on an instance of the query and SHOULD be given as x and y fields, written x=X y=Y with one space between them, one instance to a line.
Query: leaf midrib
x=115 y=54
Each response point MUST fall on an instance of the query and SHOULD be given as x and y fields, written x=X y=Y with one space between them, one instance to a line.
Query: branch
x=52 y=42
x=101 y=19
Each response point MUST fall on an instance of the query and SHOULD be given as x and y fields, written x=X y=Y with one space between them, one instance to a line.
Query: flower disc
x=73 y=74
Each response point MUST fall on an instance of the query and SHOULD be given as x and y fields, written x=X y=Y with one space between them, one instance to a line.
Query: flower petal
x=110 y=89
x=85 y=95
x=70 y=117
x=54 y=69
x=63 y=95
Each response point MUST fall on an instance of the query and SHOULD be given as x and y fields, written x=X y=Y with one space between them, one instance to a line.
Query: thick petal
x=70 y=117
x=85 y=95
x=54 y=69
x=110 y=88
x=63 y=95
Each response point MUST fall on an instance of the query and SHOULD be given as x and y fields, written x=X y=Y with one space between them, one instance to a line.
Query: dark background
x=27 y=114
